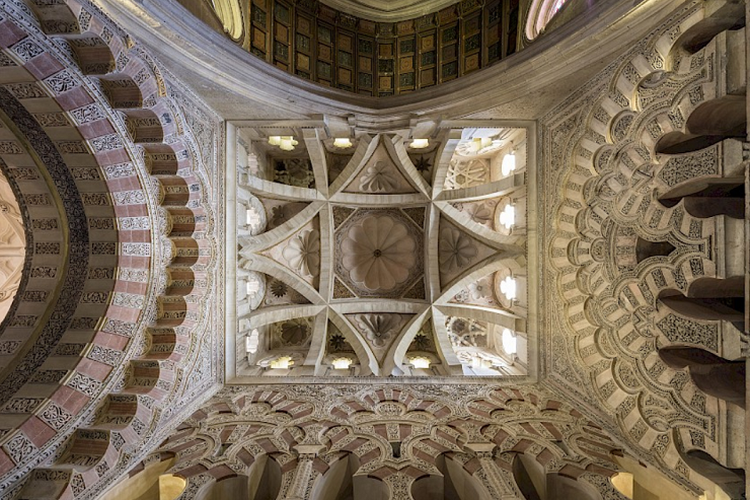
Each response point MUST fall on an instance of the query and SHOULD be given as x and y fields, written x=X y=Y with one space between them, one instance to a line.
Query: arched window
x=541 y=12
x=12 y=246
x=230 y=14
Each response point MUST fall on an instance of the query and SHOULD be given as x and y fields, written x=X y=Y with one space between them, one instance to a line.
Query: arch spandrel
x=608 y=264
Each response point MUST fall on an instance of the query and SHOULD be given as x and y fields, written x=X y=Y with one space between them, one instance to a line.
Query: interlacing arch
x=137 y=257
x=619 y=249
x=388 y=437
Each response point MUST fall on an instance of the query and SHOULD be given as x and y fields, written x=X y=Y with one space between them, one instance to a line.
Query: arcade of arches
x=374 y=249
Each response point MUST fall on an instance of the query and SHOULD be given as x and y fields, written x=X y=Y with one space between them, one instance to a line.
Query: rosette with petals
x=378 y=252
x=303 y=253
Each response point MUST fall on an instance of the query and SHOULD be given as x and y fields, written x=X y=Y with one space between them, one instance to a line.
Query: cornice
x=522 y=86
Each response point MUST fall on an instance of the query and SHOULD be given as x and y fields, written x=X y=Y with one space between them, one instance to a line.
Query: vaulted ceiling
x=382 y=252
x=238 y=272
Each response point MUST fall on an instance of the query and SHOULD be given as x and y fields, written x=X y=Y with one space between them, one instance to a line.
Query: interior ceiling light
x=478 y=362
x=508 y=216
x=253 y=287
x=479 y=143
x=509 y=163
x=284 y=142
x=420 y=362
x=509 y=341
x=341 y=363
x=252 y=217
x=419 y=143
x=342 y=142
x=508 y=287
x=252 y=341
x=283 y=362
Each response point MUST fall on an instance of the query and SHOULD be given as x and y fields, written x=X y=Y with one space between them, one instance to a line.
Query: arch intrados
x=696 y=185
x=717 y=287
x=724 y=116
x=677 y=142
x=730 y=16
x=681 y=356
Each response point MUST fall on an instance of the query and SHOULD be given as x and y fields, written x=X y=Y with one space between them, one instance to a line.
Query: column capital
x=308 y=450
x=481 y=450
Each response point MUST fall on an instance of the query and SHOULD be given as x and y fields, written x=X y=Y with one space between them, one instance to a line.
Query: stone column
x=492 y=476
x=303 y=474
x=399 y=486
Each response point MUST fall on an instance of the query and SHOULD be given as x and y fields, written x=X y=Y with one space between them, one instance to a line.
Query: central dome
x=373 y=254
x=378 y=252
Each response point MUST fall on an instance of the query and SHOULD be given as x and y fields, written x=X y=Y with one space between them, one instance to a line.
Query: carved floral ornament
x=371 y=253
x=613 y=330
x=379 y=328
x=481 y=213
x=303 y=253
x=380 y=178
x=456 y=249
x=481 y=429
x=378 y=252
x=618 y=250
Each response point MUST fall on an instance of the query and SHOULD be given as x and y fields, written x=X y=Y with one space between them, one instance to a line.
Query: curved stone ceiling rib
x=389 y=10
x=392 y=273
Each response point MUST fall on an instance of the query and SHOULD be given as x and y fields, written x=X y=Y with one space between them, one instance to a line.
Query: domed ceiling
x=383 y=255
x=375 y=47
x=12 y=245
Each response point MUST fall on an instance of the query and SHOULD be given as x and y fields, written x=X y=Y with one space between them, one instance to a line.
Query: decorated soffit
x=382 y=258
x=617 y=244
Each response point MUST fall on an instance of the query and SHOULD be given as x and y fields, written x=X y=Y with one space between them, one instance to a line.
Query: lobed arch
x=340 y=481
x=708 y=197
x=166 y=316
x=262 y=482
x=611 y=334
x=455 y=482
x=709 y=299
x=729 y=16
x=537 y=484
x=149 y=480
x=112 y=188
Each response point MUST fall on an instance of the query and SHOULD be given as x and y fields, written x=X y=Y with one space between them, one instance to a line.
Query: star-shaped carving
x=377 y=193
x=422 y=164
